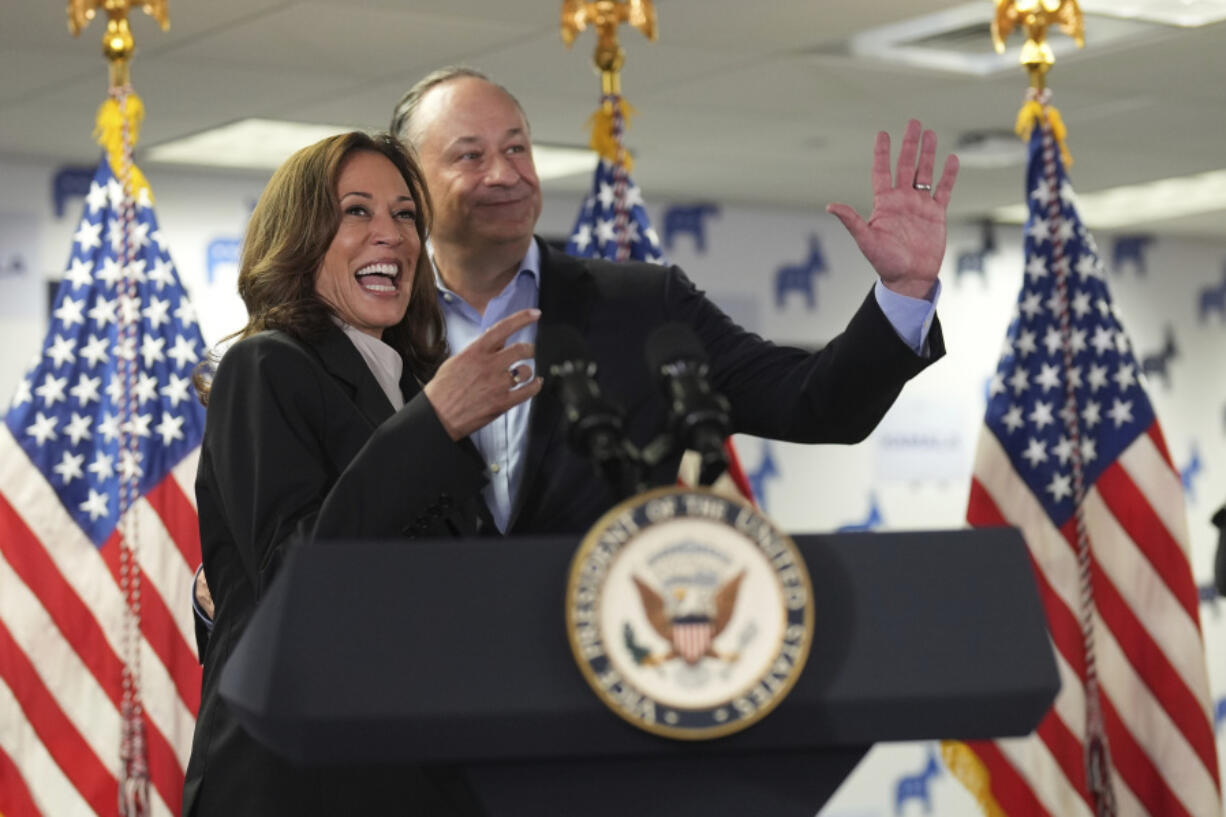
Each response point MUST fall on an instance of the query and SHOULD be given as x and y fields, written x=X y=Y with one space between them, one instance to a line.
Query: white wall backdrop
x=913 y=472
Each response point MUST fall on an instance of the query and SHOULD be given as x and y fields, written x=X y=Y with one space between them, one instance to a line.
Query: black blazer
x=300 y=443
x=836 y=395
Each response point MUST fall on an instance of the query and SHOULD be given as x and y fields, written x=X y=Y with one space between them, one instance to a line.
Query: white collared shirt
x=384 y=362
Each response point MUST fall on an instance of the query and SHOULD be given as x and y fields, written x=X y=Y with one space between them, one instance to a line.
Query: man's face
x=477 y=158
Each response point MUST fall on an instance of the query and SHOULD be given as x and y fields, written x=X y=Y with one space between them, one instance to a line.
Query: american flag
x=104 y=424
x=1072 y=454
x=596 y=233
x=613 y=224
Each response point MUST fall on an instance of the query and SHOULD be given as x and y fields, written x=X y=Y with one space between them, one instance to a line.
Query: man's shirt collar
x=531 y=264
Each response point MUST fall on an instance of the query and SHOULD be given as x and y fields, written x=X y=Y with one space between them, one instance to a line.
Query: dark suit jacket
x=300 y=443
x=837 y=395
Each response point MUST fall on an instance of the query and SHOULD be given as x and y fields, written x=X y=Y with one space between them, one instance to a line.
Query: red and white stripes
x=1150 y=658
x=61 y=637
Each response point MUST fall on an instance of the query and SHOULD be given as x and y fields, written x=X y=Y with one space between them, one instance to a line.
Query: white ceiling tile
x=347 y=39
x=739 y=101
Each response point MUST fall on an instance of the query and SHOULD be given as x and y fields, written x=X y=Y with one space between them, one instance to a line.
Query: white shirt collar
x=383 y=361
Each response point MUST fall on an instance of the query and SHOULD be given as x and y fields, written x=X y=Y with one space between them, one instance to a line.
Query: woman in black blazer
x=319 y=427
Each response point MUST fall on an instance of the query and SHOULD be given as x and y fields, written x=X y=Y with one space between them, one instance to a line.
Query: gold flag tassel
x=118 y=118
x=608 y=124
x=604 y=132
x=968 y=769
x=1034 y=111
x=1034 y=18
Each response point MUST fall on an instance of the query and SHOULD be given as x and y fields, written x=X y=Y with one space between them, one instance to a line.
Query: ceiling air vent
x=959 y=40
x=975 y=38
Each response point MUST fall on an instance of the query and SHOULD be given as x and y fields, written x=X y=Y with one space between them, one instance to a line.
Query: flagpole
x=1038 y=58
x=117 y=129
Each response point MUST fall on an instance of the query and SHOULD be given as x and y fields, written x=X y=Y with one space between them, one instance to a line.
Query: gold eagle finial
x=1035 y=16
x=117 y=43
x=605 y=16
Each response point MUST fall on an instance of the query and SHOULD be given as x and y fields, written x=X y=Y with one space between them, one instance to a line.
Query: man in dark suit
x=473 y=140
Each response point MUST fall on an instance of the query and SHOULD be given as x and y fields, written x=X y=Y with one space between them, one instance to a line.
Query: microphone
x=698 y=417
x=594 y=425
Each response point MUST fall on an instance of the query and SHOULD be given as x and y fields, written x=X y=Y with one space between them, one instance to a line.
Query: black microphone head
x=593 y=424
x=671 y=342
x=698 y=417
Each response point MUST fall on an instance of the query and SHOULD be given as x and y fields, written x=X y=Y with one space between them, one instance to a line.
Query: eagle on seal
x=689 y=619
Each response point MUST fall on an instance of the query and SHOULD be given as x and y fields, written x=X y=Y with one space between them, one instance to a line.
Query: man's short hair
x=406 y=108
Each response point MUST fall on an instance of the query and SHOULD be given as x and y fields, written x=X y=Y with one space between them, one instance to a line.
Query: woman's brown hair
x=291 y=229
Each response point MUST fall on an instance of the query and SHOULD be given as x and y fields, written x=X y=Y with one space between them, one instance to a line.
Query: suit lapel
x=343 y=361
x=565 y=298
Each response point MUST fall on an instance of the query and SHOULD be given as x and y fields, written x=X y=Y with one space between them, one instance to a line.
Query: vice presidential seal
x=689 y=614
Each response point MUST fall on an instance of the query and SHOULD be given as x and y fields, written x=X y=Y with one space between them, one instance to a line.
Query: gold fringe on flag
x=1031 y=116
x=964 y=765
x=603 y=139
x=109 y=133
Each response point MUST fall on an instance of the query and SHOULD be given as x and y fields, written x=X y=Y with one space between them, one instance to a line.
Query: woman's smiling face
x=367 y=273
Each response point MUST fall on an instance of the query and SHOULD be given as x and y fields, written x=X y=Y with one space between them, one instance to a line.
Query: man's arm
x=911 y=317
x=836 y=395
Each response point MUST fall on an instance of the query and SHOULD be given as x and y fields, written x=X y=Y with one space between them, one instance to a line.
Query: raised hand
x=904 y=238
x=473 y=387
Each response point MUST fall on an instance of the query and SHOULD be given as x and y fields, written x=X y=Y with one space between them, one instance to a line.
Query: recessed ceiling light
x=559 y=161
x=990 y=149
x=1186 y=13
x=1142 y=203
x=263 y=144
x=260 y=144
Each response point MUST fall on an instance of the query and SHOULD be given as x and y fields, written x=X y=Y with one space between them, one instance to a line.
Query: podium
x=455 y=652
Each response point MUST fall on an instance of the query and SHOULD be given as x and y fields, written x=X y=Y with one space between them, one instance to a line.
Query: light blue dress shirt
x=910 y=317
x=503 y=444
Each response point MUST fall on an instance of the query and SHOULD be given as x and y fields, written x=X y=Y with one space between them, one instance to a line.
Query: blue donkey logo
x=915 y=786
x=801 y=277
